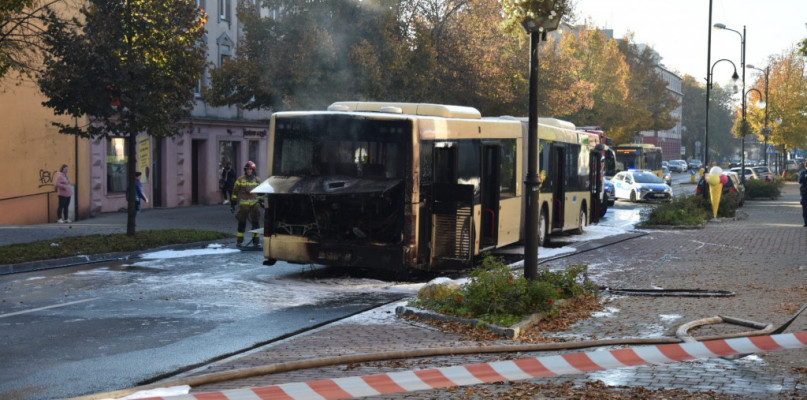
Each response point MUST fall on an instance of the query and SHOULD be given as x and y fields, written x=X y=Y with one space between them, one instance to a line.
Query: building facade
x=177 y=172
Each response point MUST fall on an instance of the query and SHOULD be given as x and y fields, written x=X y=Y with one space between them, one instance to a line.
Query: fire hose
x=682 y=335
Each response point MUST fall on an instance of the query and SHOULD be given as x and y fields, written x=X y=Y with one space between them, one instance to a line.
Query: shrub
x=496 y=295
x=683 y=210
x=756 y=188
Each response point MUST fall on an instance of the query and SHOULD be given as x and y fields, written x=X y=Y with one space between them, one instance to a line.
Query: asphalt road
x=101 y=327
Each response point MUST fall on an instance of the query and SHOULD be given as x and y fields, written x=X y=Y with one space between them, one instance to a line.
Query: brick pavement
x=761 y=257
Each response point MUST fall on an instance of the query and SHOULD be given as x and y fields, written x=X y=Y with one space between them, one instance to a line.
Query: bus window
x=507 y=172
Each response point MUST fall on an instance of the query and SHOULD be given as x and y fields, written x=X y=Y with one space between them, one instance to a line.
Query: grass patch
x=496 y=295
x=98 y=244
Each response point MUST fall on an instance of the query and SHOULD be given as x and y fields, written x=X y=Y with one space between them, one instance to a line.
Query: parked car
x=667 y=175
x=733 y=185
x=609 y=192
x=665 y=164
x=764 y=173
x=695 y=164
x=678 y=165
x=749 y=172
x=641 y=186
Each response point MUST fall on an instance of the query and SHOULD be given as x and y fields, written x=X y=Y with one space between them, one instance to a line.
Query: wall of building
x=177 y=172
x=32 y=152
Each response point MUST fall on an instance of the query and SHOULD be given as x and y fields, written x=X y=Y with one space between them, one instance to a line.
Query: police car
x=635 y=185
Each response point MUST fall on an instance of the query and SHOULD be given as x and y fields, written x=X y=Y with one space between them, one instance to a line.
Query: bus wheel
x=632 y=196
x=581 y=223
x=542 y=229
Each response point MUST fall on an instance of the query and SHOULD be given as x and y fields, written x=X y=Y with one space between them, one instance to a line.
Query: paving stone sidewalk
x=762 y=258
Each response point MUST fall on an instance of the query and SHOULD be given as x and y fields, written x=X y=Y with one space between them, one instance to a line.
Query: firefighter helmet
x=250 y=164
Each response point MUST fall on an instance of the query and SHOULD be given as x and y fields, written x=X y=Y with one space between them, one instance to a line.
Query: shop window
x=254 y=153
x=116 y=165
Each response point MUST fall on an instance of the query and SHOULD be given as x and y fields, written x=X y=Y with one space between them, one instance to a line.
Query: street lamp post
x=743 y=122
x=766 y=131
x=537 y=30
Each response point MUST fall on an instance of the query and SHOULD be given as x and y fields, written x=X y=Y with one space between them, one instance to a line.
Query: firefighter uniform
x=248 y=203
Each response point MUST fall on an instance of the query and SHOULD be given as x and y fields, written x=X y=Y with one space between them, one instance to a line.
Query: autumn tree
x=602 y=64
x=307 y=55
x=788 y=100
x=721 y=118
x=22 y=31
x=649 y=102
x=130 y=67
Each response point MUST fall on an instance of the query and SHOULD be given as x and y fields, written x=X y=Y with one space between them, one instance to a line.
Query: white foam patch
x=164 y=254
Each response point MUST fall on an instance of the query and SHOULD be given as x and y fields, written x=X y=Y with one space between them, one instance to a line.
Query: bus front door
x=452 y=236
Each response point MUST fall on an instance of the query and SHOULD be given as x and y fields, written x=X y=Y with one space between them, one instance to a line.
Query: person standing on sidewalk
x=138 y=192
x=803 y=192
x=65 y=191
x=248 y=204
x=227 y=182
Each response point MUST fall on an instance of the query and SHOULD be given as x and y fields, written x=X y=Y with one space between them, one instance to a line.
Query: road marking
x=47 y=307
x=519 y=369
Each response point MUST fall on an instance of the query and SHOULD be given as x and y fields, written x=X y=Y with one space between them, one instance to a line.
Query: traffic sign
x=770 y=149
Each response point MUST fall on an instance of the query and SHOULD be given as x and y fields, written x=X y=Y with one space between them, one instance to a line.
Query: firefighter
x=248 y=203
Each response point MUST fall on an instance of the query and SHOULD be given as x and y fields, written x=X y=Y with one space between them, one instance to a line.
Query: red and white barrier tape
x=525 y=368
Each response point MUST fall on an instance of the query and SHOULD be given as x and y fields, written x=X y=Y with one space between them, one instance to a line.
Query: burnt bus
x=402 y=186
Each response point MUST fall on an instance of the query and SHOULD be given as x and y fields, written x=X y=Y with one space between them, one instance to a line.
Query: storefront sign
x=255 y=133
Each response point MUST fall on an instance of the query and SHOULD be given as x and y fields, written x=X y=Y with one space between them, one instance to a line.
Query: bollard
x=692 y=176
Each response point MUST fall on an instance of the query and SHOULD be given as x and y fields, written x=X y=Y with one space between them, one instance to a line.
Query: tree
x=602 y=64
x=788 y=99
x=131 y=68
x=21 y=34
x=693 y=117
x=649 y=101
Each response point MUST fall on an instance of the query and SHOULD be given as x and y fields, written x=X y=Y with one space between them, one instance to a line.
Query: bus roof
x=423 y=109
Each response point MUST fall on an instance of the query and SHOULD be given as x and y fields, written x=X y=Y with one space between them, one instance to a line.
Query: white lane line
x=47 y=307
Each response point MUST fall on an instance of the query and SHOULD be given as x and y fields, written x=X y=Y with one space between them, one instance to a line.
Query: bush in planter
x=756 y=188
x=682 y=211
x=495 y=294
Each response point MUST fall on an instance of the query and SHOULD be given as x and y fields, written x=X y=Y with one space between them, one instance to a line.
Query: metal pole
x=743 y=124
x=533 y=179
x=767 y=103
x=708 y=88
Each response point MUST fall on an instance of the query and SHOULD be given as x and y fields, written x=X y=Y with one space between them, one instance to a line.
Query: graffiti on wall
x=46 y=178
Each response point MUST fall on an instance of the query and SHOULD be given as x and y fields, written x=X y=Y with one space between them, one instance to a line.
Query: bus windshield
x=337 y=145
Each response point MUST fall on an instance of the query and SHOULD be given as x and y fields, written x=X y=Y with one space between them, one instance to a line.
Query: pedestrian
x=138 y=192
x=248 y=204
x=803 y=192
x=65 y=191
x=227 y=182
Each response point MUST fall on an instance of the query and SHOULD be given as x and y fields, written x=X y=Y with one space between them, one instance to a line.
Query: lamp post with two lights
x=743 y=122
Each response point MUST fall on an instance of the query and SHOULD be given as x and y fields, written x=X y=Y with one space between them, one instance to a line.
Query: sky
x=678 y=30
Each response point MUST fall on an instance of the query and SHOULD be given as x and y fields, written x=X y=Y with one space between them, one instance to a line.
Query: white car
x=678 y=165
x=641 y=186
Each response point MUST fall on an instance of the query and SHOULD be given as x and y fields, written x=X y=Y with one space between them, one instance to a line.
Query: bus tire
x=543 y=232
x=581 y=223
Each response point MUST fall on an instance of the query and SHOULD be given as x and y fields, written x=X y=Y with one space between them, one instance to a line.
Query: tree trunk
x=131 y=164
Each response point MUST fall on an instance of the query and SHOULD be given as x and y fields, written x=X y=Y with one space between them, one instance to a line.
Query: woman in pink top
x=65 y=191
